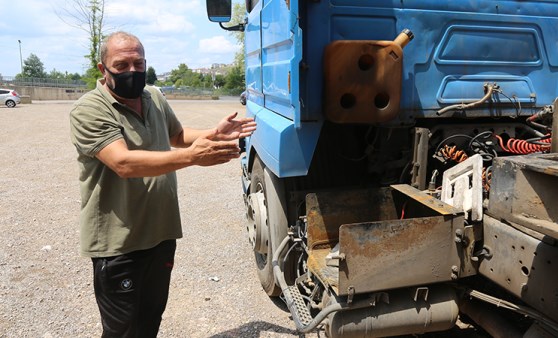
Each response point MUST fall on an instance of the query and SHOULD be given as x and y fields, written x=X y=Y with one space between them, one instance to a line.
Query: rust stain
x=378 y=240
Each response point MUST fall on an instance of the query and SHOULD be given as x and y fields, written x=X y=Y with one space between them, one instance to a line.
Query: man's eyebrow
x=126 y=60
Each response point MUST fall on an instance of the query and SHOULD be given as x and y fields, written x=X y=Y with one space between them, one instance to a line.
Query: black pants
x=132 y=290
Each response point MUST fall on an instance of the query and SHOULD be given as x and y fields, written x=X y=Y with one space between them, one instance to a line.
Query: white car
x=159 y=89
x=10 y=97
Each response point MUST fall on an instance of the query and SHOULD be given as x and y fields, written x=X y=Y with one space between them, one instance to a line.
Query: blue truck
x=403 y=176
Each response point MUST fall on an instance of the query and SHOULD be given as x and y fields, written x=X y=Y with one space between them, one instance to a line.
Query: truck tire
x=263 y=180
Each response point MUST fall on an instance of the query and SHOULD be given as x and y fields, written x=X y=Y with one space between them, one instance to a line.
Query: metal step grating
x=298 y=308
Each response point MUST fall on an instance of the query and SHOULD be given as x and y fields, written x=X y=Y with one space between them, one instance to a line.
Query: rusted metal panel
x=521 y=264
x=326 y=211
x=420 y=158
x=523 y=192
x=379 y=250
x=329 y=275
x=398 y=253
x=369 y=93
x=433 y=205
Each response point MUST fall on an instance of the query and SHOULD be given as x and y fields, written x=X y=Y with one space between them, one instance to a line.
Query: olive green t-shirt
x=121 y=215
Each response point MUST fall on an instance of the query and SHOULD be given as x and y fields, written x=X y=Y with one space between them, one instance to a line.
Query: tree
x=219 y=81
x=33 y=67
x=179 y=74
x=235 y=79
x=87 y=15
x=91 y=76
x=238 y=14
x=55 y=74
x=151 y=76
x=185 y=77
x=74 y=76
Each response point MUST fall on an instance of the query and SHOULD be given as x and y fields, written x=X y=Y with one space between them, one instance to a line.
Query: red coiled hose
x=524 y=147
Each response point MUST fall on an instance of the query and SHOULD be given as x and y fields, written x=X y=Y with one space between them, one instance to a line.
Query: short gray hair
x=121 y=35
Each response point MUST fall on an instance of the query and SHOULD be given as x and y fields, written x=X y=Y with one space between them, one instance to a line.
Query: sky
x=172 y=32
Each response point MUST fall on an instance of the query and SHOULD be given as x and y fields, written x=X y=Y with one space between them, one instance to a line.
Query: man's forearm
x=189 y=135
x=142 y=163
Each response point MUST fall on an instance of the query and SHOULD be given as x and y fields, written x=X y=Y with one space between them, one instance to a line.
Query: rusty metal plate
x=326 y=211
x=328 y=275
x=523 y=265
x=362 y=81
x=398 y=253
x=523 y=191
x=430 y=206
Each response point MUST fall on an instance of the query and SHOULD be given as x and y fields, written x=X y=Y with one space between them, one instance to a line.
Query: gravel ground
x=46 y=287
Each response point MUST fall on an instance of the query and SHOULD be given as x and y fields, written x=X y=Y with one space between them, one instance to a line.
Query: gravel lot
x=46 y=287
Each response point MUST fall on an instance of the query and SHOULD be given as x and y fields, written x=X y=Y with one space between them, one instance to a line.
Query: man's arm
x=228 y=129
x=141 y=163
x=187 y=136
x=195 y=147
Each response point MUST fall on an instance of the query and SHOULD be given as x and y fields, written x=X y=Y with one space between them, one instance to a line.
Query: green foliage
x=238 y=14
x=33 y=67
x=55 y=74
x=184 y=77
x=91 y=76
x=87 y=15
x=151 y=76
x=235 y=79
x=94 y=19
x=74 y=76
x=219 y=81
x=179 y=74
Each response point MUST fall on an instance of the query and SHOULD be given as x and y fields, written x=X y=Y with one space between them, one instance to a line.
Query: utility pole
x=20 y=57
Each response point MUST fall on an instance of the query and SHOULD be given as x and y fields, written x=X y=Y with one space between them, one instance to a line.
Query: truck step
x=298 y=308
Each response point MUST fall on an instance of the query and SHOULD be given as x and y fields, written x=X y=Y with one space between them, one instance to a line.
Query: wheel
x=267 y=215
x=10 y=103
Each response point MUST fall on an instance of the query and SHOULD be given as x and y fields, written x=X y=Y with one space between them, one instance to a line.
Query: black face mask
x=128 y=85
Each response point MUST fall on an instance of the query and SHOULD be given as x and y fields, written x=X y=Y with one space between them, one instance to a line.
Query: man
x=129 y=219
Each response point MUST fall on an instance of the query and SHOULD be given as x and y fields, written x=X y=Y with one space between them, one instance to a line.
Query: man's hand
x=229 y=129
x=206 y=152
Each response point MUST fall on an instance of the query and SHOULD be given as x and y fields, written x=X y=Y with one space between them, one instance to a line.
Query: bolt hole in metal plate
x=362 y=81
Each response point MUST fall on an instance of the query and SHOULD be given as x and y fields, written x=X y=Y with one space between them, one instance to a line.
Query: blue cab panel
x=458 y=47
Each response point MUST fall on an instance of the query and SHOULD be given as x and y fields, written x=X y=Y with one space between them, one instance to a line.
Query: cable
x=518 y=110
x=458 y=155
x=449 y=138
x=452 y=153
x=489 y=89
x=487 y=153
x=510 y=306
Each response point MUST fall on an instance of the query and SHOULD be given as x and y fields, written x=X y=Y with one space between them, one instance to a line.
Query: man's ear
x=101 y=68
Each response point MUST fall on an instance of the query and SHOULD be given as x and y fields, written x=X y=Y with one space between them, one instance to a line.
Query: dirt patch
x=46 y=287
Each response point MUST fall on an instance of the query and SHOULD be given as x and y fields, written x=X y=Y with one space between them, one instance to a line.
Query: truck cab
x=403 y=174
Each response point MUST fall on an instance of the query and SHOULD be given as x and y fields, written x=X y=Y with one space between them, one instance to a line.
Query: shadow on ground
x=255 y=330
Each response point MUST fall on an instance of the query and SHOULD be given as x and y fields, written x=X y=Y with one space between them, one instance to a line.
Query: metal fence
x=41 y=82
x=78 y=84
x=201 y=91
